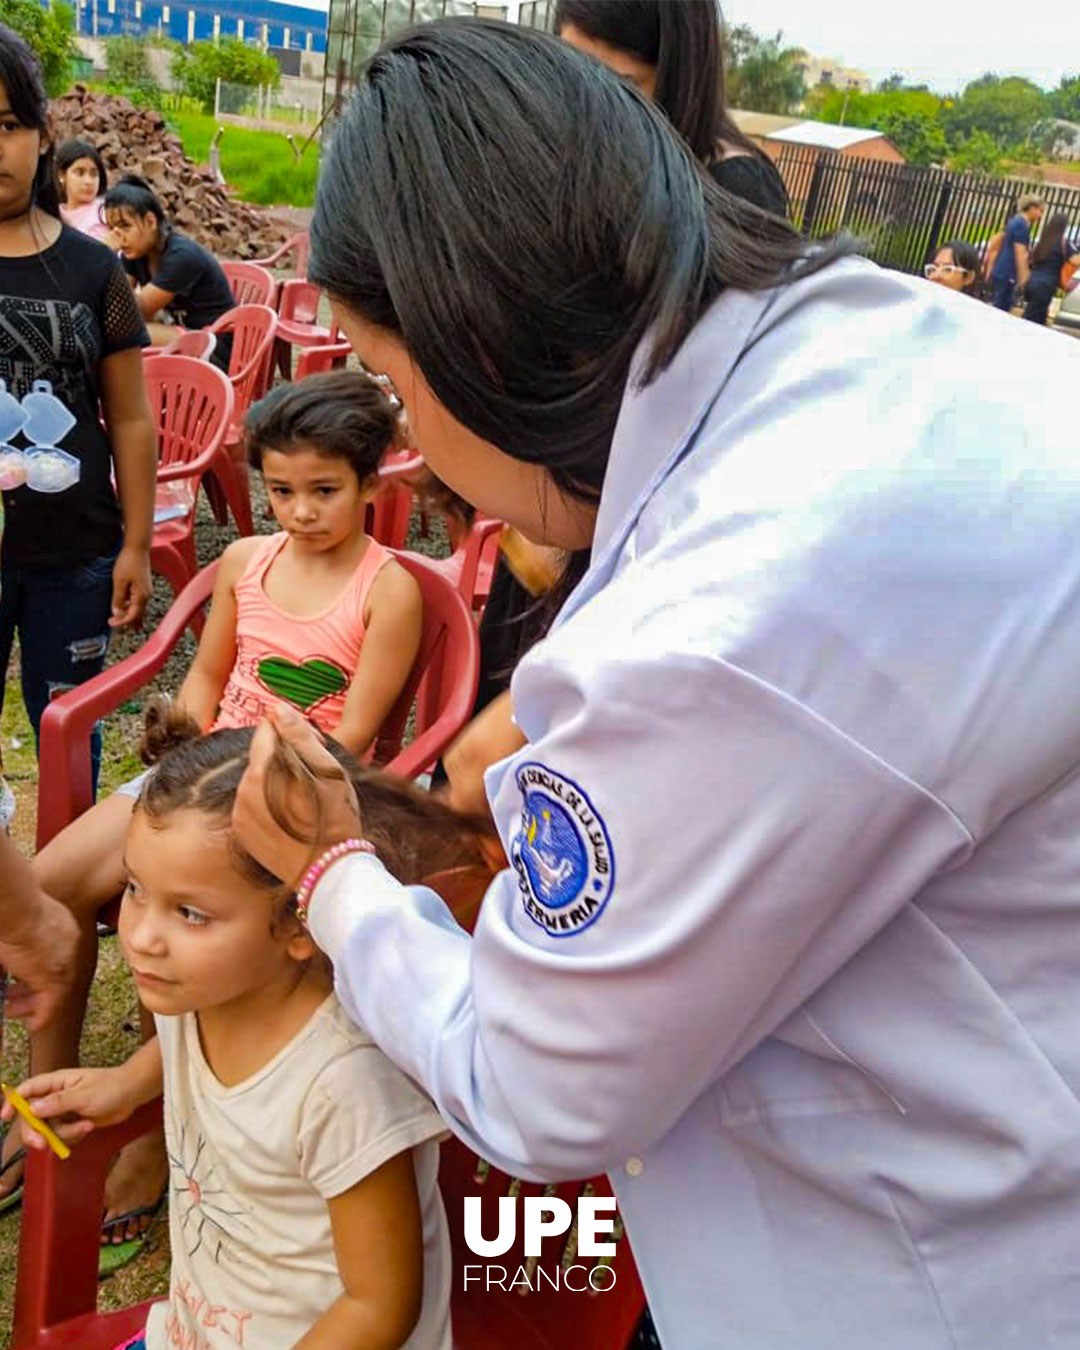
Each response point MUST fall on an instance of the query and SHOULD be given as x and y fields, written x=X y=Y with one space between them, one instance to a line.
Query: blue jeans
x=1004 y=293
x=61 y=615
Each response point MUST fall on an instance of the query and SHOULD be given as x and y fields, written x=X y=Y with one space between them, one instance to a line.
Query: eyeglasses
x=943 y=269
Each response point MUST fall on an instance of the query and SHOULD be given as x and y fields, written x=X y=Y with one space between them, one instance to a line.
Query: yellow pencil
x=23 y=1107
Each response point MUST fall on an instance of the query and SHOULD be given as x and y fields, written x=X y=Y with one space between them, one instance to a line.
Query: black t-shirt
x=1048 y=269
x=62 y=312
x=192 y=275
x=754 y=178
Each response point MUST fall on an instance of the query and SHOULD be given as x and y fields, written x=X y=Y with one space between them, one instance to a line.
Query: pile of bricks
x=136 y=140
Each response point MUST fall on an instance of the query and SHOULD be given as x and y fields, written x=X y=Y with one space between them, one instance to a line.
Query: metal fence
x=296 y=105
x=902 y=212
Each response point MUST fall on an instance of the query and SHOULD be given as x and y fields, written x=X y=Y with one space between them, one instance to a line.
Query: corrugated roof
x=823 y=134
x=761 y=124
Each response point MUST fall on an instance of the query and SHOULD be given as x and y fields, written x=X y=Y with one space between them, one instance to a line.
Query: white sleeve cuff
x=345 y=890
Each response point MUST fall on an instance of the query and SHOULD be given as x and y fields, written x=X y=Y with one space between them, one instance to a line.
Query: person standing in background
x=1012 y=267
x=1048 y=257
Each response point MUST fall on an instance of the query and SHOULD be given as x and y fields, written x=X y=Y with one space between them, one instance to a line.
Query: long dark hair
x=682 y=40
x=72 y=151
x=1051 y=238
x=20 y=74
x=521 y=218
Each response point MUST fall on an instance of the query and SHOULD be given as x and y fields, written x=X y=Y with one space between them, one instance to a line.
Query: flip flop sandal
x=118 y=1254
x=14 y=1198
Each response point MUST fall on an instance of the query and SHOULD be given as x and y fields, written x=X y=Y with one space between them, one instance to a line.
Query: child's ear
x=299 y=945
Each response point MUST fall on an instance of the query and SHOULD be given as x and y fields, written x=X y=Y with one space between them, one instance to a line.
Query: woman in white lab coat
x=787 y=944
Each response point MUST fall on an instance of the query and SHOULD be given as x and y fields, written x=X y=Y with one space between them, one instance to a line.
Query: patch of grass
x=259 y=166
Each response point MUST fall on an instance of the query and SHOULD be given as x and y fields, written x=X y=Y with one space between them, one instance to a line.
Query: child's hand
x=74 y=1102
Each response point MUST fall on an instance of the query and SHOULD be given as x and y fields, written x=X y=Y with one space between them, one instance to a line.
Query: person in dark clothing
x=169 y=271
x=674 y=55
x=1048 y=257
x=1012 y=266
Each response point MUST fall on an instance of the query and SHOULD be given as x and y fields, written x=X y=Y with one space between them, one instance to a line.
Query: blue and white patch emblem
x=563 y=857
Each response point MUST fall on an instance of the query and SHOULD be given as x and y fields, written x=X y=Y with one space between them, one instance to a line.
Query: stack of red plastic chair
x=191 y=403
x=252 y=328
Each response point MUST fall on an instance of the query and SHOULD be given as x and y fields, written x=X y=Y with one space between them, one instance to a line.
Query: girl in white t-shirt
x=304 y=1205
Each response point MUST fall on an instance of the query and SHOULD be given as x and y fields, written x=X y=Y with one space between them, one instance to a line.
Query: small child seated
x=303 y=1165
x=318 y=615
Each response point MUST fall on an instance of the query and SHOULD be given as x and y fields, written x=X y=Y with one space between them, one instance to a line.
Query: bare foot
x=136 y=1181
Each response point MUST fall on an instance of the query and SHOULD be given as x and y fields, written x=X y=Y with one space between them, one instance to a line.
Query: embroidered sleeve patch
x=562 y=853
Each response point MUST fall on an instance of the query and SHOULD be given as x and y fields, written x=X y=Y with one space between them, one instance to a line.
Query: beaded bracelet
x=321 y=865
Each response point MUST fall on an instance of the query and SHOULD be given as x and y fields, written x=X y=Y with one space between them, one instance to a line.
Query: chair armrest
x=61 y=1224
x=64 y=790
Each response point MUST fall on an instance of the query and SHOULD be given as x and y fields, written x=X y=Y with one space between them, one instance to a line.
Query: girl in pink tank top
x=318 y=616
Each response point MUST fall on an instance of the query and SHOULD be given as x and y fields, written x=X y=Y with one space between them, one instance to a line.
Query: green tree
x=1064 y=101
x=763 y=75
x=911 y=117
x=979 y=152
x=128 y=67
x=198 y=68
x=1006 y=109
x=50 y=33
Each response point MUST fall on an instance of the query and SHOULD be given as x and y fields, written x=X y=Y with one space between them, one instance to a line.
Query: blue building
x=300 y=25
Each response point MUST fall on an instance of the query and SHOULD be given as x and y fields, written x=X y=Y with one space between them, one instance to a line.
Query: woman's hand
x=491 y=736
x=40 y=952
x=131 y=587
x=74 y=1102
x=256 y=829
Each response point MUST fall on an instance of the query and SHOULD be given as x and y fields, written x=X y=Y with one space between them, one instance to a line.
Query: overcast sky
x=944 y=43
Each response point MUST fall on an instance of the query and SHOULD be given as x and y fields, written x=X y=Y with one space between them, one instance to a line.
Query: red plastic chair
x=57 y=1282
x=250 y=283
x=298 y=316
x=388 y=515
x=442 y=684
x=299 y=246
x=191 y=403
x=472 y=564
x=198 y=343
x=252 y=328
x=318 y=360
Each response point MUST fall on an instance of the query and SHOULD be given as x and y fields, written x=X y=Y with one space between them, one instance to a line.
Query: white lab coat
x=807 y=800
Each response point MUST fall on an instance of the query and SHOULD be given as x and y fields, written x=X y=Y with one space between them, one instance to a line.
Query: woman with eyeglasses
x=957 y=266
